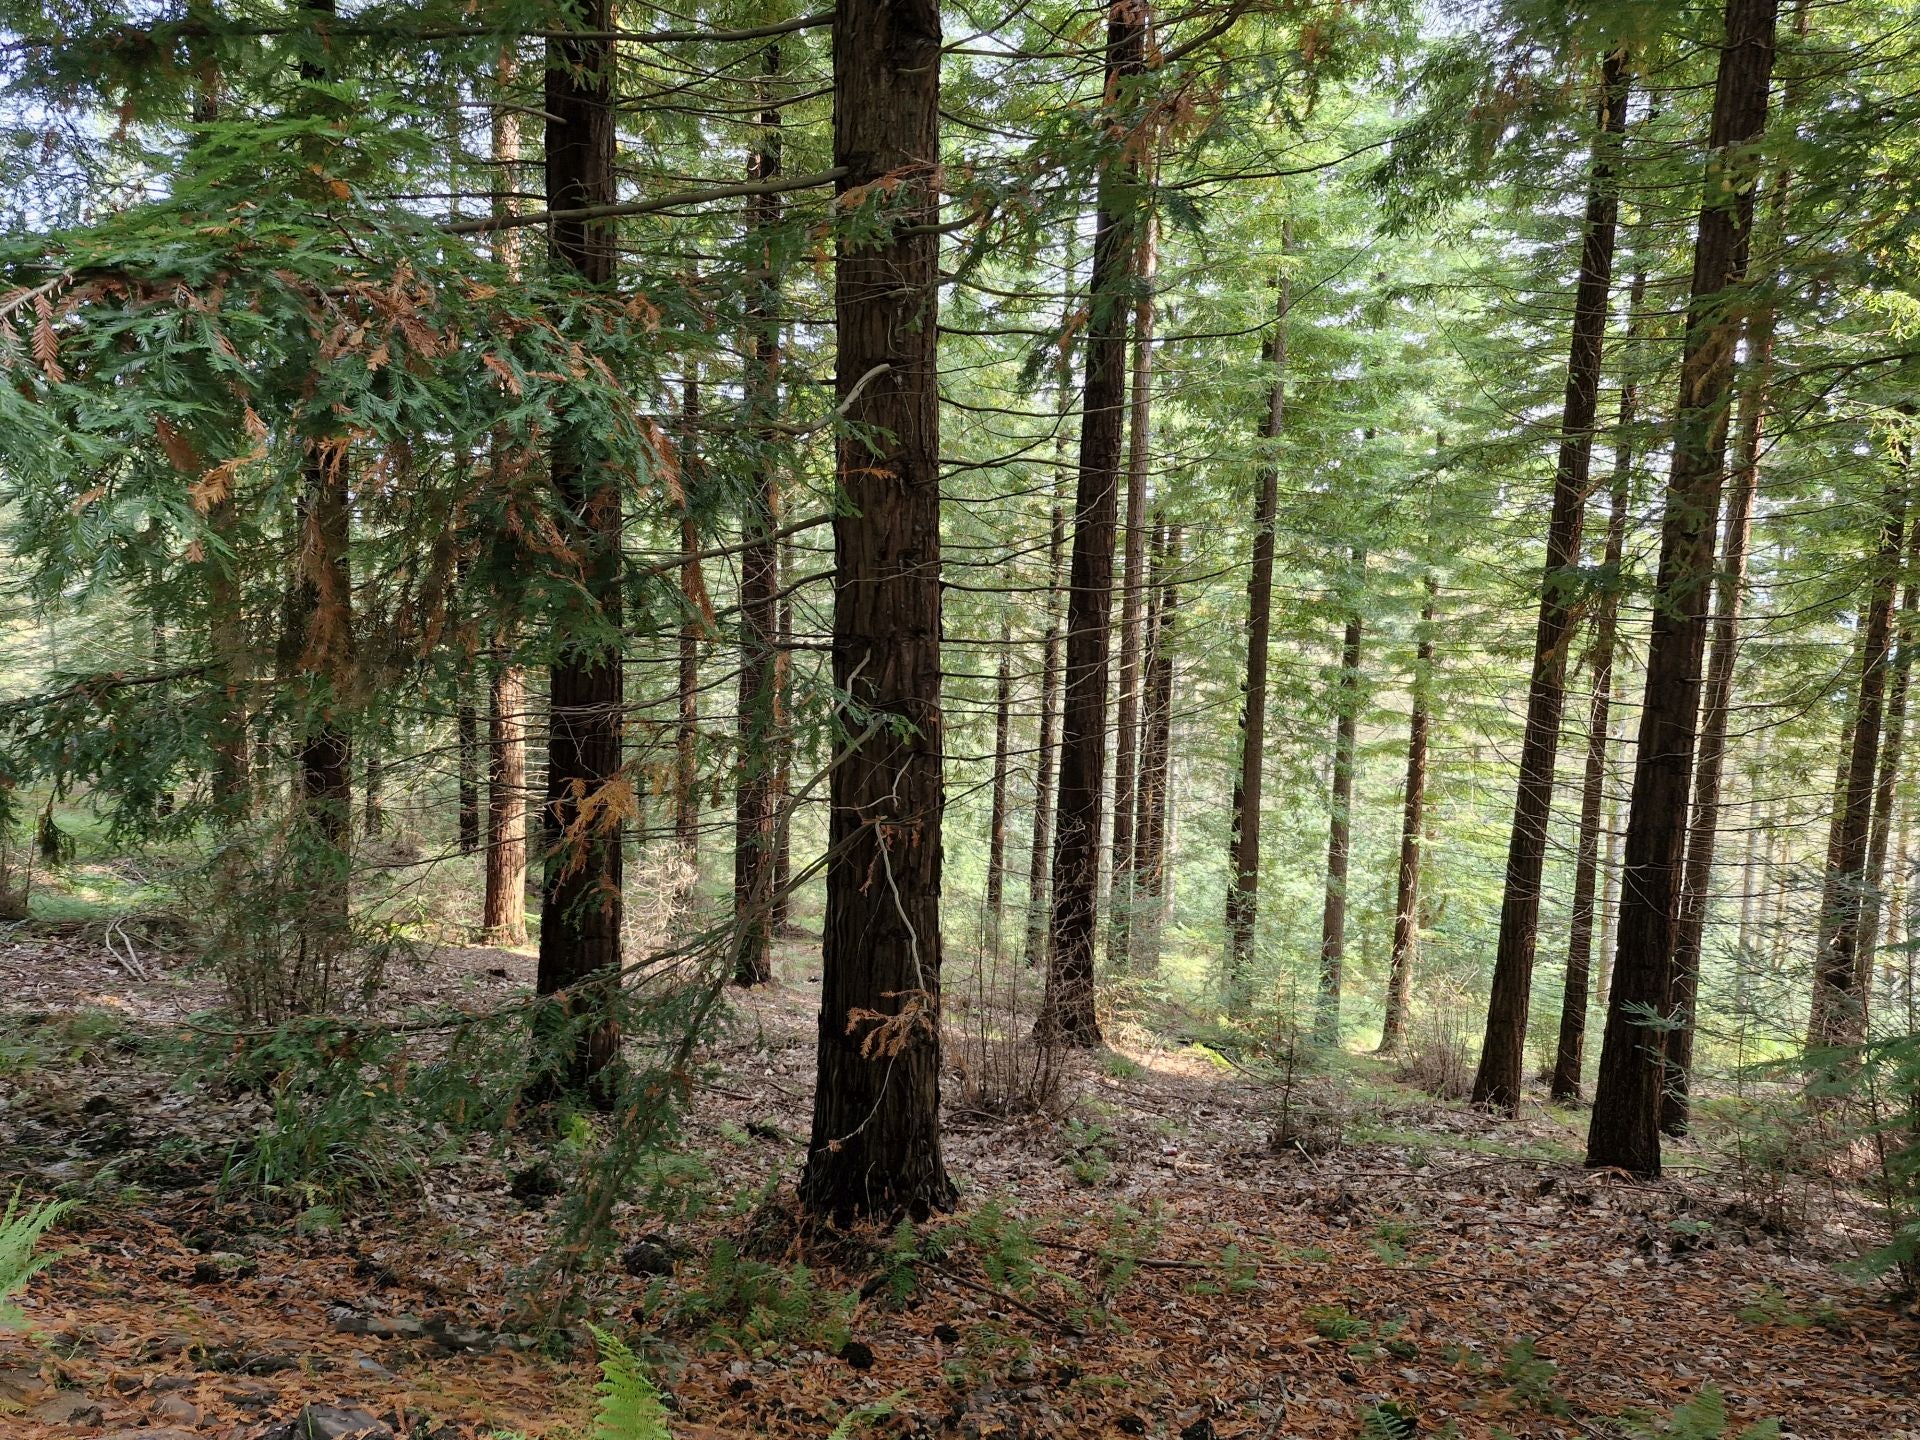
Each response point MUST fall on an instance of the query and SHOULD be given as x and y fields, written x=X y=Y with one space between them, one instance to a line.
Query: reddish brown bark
x=1503 y=1051
x=875 y=1144
x=1625 y=1130
x=578 y=1036
x=1406 y=902
x=1067 y=1012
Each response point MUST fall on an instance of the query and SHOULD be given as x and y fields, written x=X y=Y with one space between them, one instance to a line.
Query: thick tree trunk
x=1413 y=806
x=1333 y=914
x=1610 y=879
x=1120 y=895
x=1503 y=1052
x=1625 y=1129
x=1696 y=881
x=1569 y=1056
x=503 y=918
x=1067 y=1013
x=578 y=1036
x=1838 y=1014
x=875 y=1145
x=1243 y=835
x=997 y=810
x=754 y=813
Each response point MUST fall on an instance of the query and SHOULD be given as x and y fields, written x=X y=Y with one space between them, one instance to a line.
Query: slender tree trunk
x=693 y=611
x=503 y=910
x=1132 y=613
x=1696 y=883
x=1046 y=758
x=1333 y=914
x=754 y=814
x=1625 y=1129
x=467 y=726
x=1406 y=900
x=373 y=815
x=578 y=1037
x=1067 y=1013
x=875 y=1145
x=782 y=915
x=997 y=811
x=1570 y=1051
x=1610 y=880
x=503 y=919
x=1503 y=1053
x=1152 y=829
x=1892 y=751
x=1243 y=835
x=1838 y=1012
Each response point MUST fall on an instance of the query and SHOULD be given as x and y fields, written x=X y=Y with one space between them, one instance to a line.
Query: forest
x=1183 y=718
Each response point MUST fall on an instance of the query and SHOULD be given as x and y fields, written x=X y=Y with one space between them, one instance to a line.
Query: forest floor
x=1185 y=1247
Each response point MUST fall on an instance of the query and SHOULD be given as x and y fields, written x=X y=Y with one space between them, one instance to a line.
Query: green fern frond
x=630 y=1407
x=20 y=1232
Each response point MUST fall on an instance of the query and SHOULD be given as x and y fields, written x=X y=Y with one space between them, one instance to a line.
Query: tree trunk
x=578 y=1037
x=373 y=815
x=1569 y=1056
x=1067 y=1013
x=1892 y=750
x=781 y=917
x=1151 y=829
x=1838 y=1015
x=1132 y=614
x=693 y=612
x=1406 y=900
x=503 y=919
x=467 y=725
x=1503 y=1052
x=754 y=814
x=875 y=1145
x=997 y=811
x=1625 y=1129
x=1243 y=836
x=1696 y=881
x=1047 y=746
x=503 y=910
x=1333 y=914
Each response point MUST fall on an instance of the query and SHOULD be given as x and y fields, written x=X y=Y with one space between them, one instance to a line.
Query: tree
x=1625 y=1129
x=587 y=794
x=1502 y=1053
x=1406 y=902
x=1243 y=860
x=1333 y=913
x=875 y=1143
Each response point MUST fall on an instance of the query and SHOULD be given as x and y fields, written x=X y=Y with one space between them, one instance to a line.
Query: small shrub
x=1437 y=1058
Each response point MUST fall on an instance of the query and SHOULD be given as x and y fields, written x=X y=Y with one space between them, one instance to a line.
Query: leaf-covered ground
x=1188 y=1248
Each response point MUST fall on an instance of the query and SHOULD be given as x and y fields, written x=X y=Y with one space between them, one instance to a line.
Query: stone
x=66 y=1407
x=330 y=1422
x=177 y=1408
x=382 y=1327
x=23 y=1387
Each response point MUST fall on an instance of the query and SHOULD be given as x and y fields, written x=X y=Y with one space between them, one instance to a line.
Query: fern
x=1703 y=1418
x=630 y=1407
x=20 y=1232
x=872 y=1410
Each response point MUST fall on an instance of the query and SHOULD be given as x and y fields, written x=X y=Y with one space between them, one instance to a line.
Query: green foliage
x=628 y=1406
x=1335 y=1322
x=21 y=1229
x=1702 y=1418
x=1088 y=1151
x=1534 y=1378
x=1390 y=1420
x=734 y=1300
